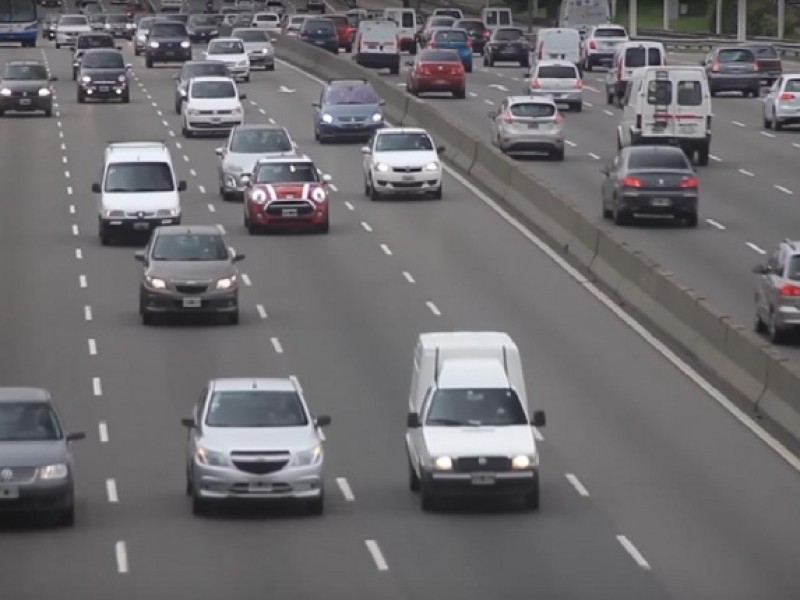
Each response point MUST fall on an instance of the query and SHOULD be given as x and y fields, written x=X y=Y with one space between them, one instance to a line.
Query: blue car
x=347 y=109
x=321 y=33
x=454 y=39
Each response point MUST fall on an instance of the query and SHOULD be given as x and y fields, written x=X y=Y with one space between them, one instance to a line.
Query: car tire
x=148 y=318
x=691 y=220
x=233 y=318
x=607 y=212
x=487 y=61
x=148 y=62
x=81 y=97
x=587 y=65
x=136 y=52
x=437 y=193
x=758 y=324
x=468 y=67
x=413 y=479
x=2 y=113
x=74 y=75
x=185 y=132
x=126 y=97
x=348 y=48
x=755 y=92
x=413 y=50
x=531 y=499
x=58 y=46
x=558 y=154
x=525 y=63
x=252 y=228
x=394 y=70
x=775 y=335
x=366 y=187
x=374 y=194
x=246 y=78
x=178 y=106
x=66 y=517
x=316 y=507
x=776 y=124
x=609 y=98
x=426 y=499
x=48 y=112
x=324 y=227
x=199 y=505
x=620 y=217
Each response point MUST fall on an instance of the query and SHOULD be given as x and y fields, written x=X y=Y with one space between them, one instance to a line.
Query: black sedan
x=507 y=44
x=650 y=180
x=25 y=87
x=202 y=28
x=103 y=76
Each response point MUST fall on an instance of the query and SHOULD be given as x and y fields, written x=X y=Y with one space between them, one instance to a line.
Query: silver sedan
x=559 y=79
x=528 y=125
x=782 y=103
x=258 y=45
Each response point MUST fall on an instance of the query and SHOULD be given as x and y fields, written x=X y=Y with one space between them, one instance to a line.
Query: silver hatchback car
x=528 y=125
x=782 y=102
x=778 y=292
x=254 y=439
x=559 y=79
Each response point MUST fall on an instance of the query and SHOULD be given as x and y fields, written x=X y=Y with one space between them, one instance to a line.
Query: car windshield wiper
x=448 y=422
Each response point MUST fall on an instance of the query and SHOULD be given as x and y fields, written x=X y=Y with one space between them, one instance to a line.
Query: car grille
x=352 y=119
x=277 y=208
x=169 y=45
x=215 y=112
x=407 y=169
x=101 y=82
x=260 y=463
x=140 y=215
x=17 y=474
x=471 y=464
x=23 y=94
x=191 y=289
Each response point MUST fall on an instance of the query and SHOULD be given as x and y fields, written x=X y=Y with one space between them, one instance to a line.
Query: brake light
x=579 y=84
x=758 y=66
x=487 y=34
x=423 y=70
x=508 y=117
x=787 y=96
x=790 y=290
x=536 y=84
x=559 y=118
x=690 y=182
x=715 y=66
x=631 y=182
x=469 y=43
x=432 y=44
x=592 y=45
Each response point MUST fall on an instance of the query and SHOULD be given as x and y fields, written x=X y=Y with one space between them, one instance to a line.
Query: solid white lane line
x=635 y=554
x=594 y=156
x=752 y=246
x=111 y=491
x=103 y=431
x=738 y=124
x=608 y=113
x=366 y=226
x=75 y=230
x=72 y=209
x=97 y=386
x=537 y=435
x=349 y=205
x=579 y=487
x=78 y=254
x=433 y=308
x=276 y=344
x=211 y=208
x=767 y=134
x=473 y=94
x=262 y=313
x=82 y=281
x=408 y=277
x=714 y=223
x=69 y=190
x=192 y=172
x=122 y=557
x=246 y=279
x=746 y=172
x=345 y=488
x=92 y=347
x=202 y=189
x=67 y=174
x=780 y=188
x=714 y=158
x=386 y=250
x=376 y=554
x=87 y=313
x=570 y=143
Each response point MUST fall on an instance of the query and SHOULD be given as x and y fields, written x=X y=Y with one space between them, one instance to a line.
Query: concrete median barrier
x=757 y=372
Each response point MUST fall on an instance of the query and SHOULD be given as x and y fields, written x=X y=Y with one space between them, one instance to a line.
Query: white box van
x=559 y=44
x=496 y=16
x=138 y=191
x=668 y=105
x=406 y=19
x=376 y=45
x=469 y=430
x=629 y=57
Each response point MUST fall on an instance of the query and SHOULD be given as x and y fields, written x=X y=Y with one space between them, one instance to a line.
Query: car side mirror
x=219 y=151
x=326 y=178
x=53 y=78
x=440 y=149
x=322 y=421
x=412 y=421
x=181 y=186
x=188 y=422
x=119 y=48
x=245 y=179
x=96 y=188
x=273 y=40
x=237 y=257
x=538 y=419
x=242 y=96
x=78 y=435
x=381 y=102
x=315 y=104
x=139 y=256
x=761 y=269
x=366 y=150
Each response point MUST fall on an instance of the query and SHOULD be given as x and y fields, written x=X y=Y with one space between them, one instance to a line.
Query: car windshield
x=736 y=55
x=73 y=20
x=103 y=60
x=318 y=26
x=216 y=69
x=190 y=247
x=557 y=72
x=95 y=41
x=213 y=89
x=793 y=268
x=358 y=94
x=252 y=35
x=260 y=141
x=117 y=19
x=465 y=407
x=22 y=72
x=139 y=177
x=28 y=422
x=635 y=57
x=286 y=173
x=227 y=47
x=441 y=22
x=508 y=35
x=394 y=142
x=765 y=51
x=792 y=85
x=451 y=36
x=663 y=158
x=610 y=32
x=439 y=56
x=535 y=110
x=202 y=21
x=168 y=30
x=256 y=408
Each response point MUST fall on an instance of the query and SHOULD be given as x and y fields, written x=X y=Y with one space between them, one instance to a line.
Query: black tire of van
x=412 y=50
x=395 y=69
x=702 y=154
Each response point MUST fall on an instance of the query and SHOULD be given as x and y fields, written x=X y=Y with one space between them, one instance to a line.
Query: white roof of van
x=471 y=373
x=465 y=339
x=137 y=151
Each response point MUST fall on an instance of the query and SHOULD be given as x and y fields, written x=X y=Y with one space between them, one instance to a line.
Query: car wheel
x=246 y=78
x=136 y=52
x=413 y=480
x=348 y=48
x=252 y=228
x=468 y=67
x=81 y=97
x=767 y=122
x=2 y=113
x=620 y=216
x=531 y=499
x=366 y=187
x=773 y=332
x=324 y=227
x=776 y=124
x=189 y=486
x=374 y=194
x=316 y=506
x=58 y=46
x=691 y=219
x=48 y=112
x=126 y=97
x=703 y=154
x=74 y=75
x=587 y=65
x=427 y=500
x=199 y=505
x=394 y=70
x=233 y=318
x=487 y=61
x=178 y=108
x=437 y=193
x=755 y=92
x=66 y=517
x=607 y=212
x=148 y=318
x=609 y=98
x=558 y=154
x=758 y=323
x=148 y=62
x=460 y=94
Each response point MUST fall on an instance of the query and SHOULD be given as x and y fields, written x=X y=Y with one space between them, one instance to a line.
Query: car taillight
x=690 y=182
x=715 y=66
x=432 y=44
x=457 y=70
x=469 y=43
x=787 y=96
x=592 y=45
x=758 y=66
x=487 y=34
x=790 y=290
x=508 y=117
x=536 y=84
x=559 y=118
x=631 y=182
x=579 y=84
x=423 y=70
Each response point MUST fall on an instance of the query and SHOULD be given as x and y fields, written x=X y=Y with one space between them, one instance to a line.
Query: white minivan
x=629 y=57
x=496 y=16
x=375 y=45
x=469 y=428
x=559 y=44
x=668 y=105
x=406 y=19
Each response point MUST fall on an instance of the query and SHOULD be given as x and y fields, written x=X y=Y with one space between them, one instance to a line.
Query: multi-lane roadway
x=651 y=488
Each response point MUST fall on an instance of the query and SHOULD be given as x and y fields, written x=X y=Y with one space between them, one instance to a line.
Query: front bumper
x=510 y=483
x=734 y=83
x=167 y=301
x=144 y=225
x=217 y=123
x=655 y=203
x=287 y=214
x=104 y=90
x=238 y=71
x=170 y=55
x=26 y=103
x=423 y=182
x=229 y=483
x=259 y=59
x=37 y=496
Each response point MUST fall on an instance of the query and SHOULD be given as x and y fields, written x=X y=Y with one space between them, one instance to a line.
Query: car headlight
x=182 y=91
x=185 y=44
x=237 y=110
x=56 y=471
x=5 y=92
x=242 y=63
x=211 y=458
x=432 y=166
x=266 y=50
x=308 y=457
x=524 y=461
x=192 y=112
x=44 y=92
x=168 y=212
x=142 y=38
x=443 y=463
x=318 y=195
x=226 y=283
x=259 y=196
x=86 y=79
x=154 y=44
x=377 y=117
x=326 y=118
x=382 y=168
x=214 y=32
x=122 y=79
x=156 y=283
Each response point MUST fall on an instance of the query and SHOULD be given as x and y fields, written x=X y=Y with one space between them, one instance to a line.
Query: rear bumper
x=530 y=143
x=378 y=60
x=570 y=96
x=685 y=143
x=652 y=203
x=734 y=83
x=360 y=130
x=600 y=58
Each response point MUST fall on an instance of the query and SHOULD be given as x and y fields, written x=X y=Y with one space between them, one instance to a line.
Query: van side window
x=408 y=21
x=659 y=92
x=690 y=93
x=505 y=18
x=491 y=18
x=654 y=56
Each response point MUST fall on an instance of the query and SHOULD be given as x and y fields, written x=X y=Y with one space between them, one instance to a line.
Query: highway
x=650 y=488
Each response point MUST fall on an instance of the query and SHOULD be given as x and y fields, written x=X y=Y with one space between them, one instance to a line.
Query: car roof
x=275 y=384
x=555 y=62
x=188 y=230
x=260 y=127
x=203 y=62
x=226 y=39
x=347 y=82
x=211 y=78
x=388 y=130
x=23 y=394
x=531 y=100
x=470 y=373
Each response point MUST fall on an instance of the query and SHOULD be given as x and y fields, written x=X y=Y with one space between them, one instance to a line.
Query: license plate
x=141 y=226
x=260 y=487
x=24 y=101
x=441 y=82
x=660 y=202
x=533 y=126
x=320 y=42
x=407 y=178
x=9 y=492
x=289 y=212
x=216 y=120
x=483 y=479
x=192 y=302
x=104 y=88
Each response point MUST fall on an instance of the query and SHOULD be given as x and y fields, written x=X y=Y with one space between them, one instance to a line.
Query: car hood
x=140 y=201
x=255 y=46
x=351 y=110
x=213 y=103
x=227 y=439
x=407 y=158
x=24 y=85
x=102 y=74
x=471 y=441
x=199 y=270
x=226 y=58
x=33 y=454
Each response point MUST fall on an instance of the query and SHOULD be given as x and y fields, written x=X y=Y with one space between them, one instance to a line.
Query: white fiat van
x=559 y=44
x=406 y=19
x=629 y=57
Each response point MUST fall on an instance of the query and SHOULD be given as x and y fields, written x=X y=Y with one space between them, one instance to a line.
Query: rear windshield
x=406 y=20
x=450 y=12
x=765 y=51
x=318 y=26
x=659 y=92
x=635 y=57
x=532 y=110
x=557 y=72
x=168 y=30
x=275 y=18
x=792 y=85
x=793 y=270
x=507 y=35
x=442 y=22
x=451 y=36
x=95 y=41
x=610 y=32
x=690 y=93
x=205 y=70
x=203 y=20
x=439 y=56
x=736 y=55
x=470 y=25
x=666 y=158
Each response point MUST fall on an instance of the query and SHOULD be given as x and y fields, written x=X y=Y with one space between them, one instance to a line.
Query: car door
x=771 y=97
x=195 y=433
x=612 y=181
x=415 y=437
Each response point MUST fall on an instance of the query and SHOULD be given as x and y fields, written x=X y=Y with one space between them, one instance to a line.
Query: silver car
x=142 y=31
x=559 y=79
x=778 y=292
x=254 y=439
x=247 y=144
x=782 y=103
x=258 y=45
x=528 y=125
x=36 y=469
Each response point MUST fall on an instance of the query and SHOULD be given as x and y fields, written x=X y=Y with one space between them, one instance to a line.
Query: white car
x=69 y=27
x=212 y=105
x=233 y=53
x=267 y=20
x=402 y=161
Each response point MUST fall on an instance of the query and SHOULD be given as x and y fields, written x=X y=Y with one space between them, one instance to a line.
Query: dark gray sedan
x=36 y=467
x=650 y=180
x=733 y=69
x=196 y=68
x=188 y=269
x=25 y=87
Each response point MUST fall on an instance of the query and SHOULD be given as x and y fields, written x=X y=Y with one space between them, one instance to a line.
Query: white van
x=375 y=45
x=668 y=105
x=469 y=429
x=138 y=191
x=456 y=13
x=268 y=21
x=406 y=19
x=496 y=16
x=628 y=57
x=559 y=44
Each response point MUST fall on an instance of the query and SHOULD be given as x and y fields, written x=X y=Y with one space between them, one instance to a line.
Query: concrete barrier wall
x=734 y=354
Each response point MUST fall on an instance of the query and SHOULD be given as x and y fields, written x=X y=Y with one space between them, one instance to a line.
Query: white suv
x=138 y=191
x=600 y=45
x=212 y=105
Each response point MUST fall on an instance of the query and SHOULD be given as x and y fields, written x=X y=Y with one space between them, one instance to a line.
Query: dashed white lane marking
x=211 y=208
x=102 y=428
x=178 y=145
x=594 y=156
x=192 y=172
x=171 y=133
x=714 y=158
x=366 y=226
x=262 y=111
x=72 y=209
x=347 y=492
x=576 y=483
x=738 y=124
x=473 y=94
x=82 y=281
x=537 y=435
x=349 y=205
x=78 y=254
x=59 y=124
x=271 y=121
x=608 y=112
x=796 y=145
x=87 y=313
x=252 y=102
x=588 y=104
x=489 y=102
x=714 y=223
x=221 y=229
x=386 y=250
x=111 y=491
x=767 y=134
x=64 y=159
x=92 y=347
x=780 y=188
x=408 y=277
x=158 y=112
x=185 y=158
x=333 y=187
x=755 y=248
x=746 y=172
x=262 y=313
x=246 y=279
x=75 y=230
x=69 y=190
x=570 y=143
x=433 y=308
x=97 y=386
x=202 y=189
x=149 y=97
x=635 y=554
x=67 y=174
x=121 y=552
x=63 y=146
x=276 y=344
x=376 y=554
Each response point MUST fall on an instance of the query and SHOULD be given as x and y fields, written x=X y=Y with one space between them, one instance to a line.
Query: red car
x=437 y=71
x=286 y=193
x=344 y=31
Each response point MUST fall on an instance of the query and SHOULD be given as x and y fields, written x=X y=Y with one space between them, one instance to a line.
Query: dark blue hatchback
x=347 y=109
x=322 y=33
